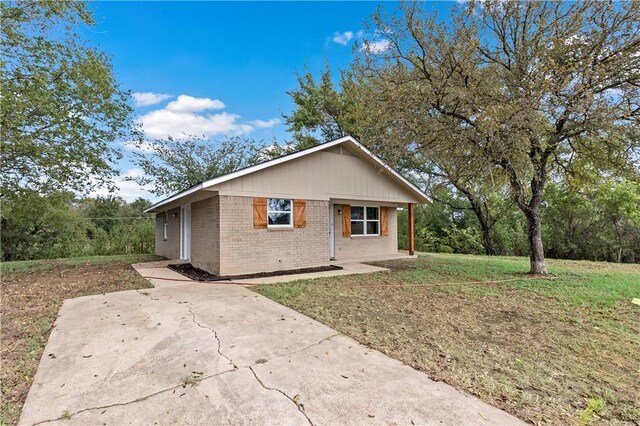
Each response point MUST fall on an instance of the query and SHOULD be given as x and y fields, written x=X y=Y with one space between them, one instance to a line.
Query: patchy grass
x=23 y=266
x=32 y=293
x=192 y=379
x=564 y=350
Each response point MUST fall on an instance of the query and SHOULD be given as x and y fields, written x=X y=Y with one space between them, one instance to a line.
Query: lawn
x=32 y=293
x=564 y=350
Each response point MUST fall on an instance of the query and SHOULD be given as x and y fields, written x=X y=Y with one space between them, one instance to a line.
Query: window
x=166 y=222
x=279 y=213
x=365 y=220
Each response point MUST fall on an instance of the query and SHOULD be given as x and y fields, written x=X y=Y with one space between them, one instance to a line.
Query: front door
x=185 y=248
x=332 y=241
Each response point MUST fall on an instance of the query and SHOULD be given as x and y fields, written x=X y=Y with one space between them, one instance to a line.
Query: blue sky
x=221 y=68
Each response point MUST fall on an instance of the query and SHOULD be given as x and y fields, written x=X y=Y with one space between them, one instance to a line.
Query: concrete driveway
x=194 y=353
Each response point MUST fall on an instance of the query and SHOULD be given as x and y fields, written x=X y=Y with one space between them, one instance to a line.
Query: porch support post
x=411 y=230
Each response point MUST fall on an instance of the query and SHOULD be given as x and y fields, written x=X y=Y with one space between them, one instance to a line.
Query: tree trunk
x=484 y=218
x=619 y=239
x=534 y=236
x=489 y=249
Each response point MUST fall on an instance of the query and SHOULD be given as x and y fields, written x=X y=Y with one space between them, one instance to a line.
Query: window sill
x=365 y=236
x=280 y=228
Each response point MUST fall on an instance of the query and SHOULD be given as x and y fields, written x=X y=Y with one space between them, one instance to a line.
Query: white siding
x=321 y=176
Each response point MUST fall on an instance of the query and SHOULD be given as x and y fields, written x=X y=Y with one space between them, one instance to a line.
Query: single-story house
x=335 y=201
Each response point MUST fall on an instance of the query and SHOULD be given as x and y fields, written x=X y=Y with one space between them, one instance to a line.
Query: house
x=333 y=201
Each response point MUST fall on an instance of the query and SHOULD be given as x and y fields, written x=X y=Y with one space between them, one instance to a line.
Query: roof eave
x=233 y=175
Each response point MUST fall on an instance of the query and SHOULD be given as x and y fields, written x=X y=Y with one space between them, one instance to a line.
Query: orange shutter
x=299 y=213
x=384 y=221
x=259 y=213
x=346 y=220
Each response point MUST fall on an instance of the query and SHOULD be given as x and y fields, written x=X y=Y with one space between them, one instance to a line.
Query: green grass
x=561 y=349
x=580 y=283
x=25 y=266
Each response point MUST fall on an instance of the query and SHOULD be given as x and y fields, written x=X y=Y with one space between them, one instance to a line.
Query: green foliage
x=323 y=112
x=173 y=165
x=58 y=225
x=598 y=222
x=61 y=108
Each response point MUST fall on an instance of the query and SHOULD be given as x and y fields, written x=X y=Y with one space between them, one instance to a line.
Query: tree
x=174 y=165
x=36 y=226
x=104 y=211
x=620 y=203
x=515 y=89
x=324 y=112
x=61 y=108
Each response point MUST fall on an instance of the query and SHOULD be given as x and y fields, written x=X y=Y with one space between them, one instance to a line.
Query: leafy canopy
x=173 y=165
x=61 y=108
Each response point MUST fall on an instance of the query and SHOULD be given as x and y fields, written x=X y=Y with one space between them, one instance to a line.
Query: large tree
x=172 y=165
x=358 y=108
x=513 y=88
x=61 y=108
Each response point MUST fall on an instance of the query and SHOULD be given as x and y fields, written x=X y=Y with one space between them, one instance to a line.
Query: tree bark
x=534 y=236
x=531 y=209
x=489 y=249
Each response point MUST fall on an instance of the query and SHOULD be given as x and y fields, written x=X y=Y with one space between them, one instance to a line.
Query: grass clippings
x=32 y=293
x=564 y=350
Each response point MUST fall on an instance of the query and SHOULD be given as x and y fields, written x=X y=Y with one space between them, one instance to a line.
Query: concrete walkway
x=195 y=353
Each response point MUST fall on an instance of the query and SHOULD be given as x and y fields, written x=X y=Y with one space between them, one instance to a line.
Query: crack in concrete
x=298 y=406
x=215 y=335
x=296 y=351
x=133 y=401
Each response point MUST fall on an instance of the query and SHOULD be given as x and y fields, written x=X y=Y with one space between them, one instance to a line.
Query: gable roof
x=347 y=140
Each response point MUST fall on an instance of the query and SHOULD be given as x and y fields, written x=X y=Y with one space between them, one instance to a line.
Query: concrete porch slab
x=379 y=258
x=347 y=269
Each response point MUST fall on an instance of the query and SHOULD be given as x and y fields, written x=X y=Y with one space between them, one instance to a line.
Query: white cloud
x=186 y=117
x=375 y=47
x=142 y=99
x=262 y=124
x=342 y=38
x=162 y=123
x=186 y=103
x=127 y=189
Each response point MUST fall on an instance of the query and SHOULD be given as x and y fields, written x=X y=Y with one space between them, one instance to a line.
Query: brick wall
x=360 y=247
x=244 y=249
x=169 y=248
x=205 y=233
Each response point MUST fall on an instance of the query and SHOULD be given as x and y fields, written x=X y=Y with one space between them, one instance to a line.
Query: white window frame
x=165 y=225
x=364 y=222
x=290 y=213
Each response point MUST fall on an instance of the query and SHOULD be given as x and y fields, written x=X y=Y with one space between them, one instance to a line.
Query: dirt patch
x=30 y=303
x=197 y=274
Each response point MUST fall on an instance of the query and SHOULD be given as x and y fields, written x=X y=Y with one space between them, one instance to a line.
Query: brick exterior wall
x=169 y=248
x=245 y=250
x=205 y=235
x=359 y=247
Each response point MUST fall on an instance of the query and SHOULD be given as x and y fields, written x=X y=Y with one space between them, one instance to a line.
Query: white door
x=185 y=249
x=332 y=241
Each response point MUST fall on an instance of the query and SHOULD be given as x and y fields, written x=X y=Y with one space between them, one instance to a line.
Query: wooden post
x=411 y=230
